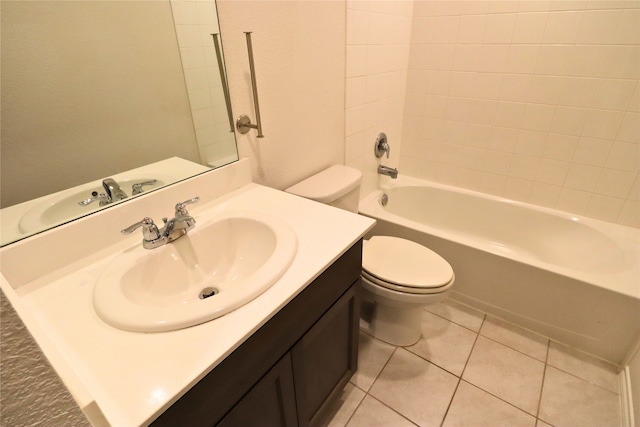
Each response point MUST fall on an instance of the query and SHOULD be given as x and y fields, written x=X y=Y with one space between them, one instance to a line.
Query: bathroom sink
x=64 y=206
x=226 y=261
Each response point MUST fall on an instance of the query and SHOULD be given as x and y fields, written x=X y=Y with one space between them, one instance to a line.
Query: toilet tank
x=337 y=186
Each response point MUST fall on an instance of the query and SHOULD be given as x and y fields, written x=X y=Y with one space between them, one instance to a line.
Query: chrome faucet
x=385 y=170
x=112 y=193
x=173 y=229
x=113 y=190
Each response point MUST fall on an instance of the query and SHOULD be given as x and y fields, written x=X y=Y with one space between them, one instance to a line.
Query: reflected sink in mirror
x=65 y=206
x=226 y=261
x=40 y=214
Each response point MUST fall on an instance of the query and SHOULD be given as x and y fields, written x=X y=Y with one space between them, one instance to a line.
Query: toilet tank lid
x=328 y=185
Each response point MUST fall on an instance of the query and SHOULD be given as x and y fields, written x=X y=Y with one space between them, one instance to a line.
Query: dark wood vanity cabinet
x=292 y=366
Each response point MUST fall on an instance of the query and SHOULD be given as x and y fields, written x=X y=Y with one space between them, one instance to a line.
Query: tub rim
x=627 y=238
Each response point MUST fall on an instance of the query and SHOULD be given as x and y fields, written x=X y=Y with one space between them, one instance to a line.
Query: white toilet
x=399 y=277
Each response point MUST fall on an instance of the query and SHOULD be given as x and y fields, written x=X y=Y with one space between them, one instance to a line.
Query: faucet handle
x=137 y=187
x=381 y=145
x=181 y=208
x=149 y=229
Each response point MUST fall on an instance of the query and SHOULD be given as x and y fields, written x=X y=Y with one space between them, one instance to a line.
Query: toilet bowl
x=399 y=277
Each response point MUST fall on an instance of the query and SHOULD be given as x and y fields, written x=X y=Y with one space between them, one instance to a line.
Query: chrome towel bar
x=223 y=79
x=244 y=122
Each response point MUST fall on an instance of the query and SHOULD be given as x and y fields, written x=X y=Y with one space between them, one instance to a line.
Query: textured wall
x=532 y=100
x=32 y=394
x=299 y=49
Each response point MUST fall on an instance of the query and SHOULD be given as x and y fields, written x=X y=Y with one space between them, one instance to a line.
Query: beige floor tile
x=474 y=407
x=372 y=413
x=417 y=389
x=513 y=336
x=505 y=373
x=373 y=354
x=444 y=343
x=570 y=401
x=458 y=313
x=342 y=408
x=584 y=366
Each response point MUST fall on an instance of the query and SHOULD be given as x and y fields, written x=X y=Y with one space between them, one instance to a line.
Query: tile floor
x=476 y=370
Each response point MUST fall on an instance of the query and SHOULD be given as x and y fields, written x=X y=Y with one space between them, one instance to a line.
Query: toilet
x=399 y=277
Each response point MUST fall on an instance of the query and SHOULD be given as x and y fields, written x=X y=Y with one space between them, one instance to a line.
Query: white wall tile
x=499 y=28
x=560 y=147
x=578 y=91
x=622 y=62
x=522 y=59
x=606 y=208
x=588 y=61
x=630 y=128
x=630 y=214
x=599 y=27
x=470 y=28
x=569 y=120
x=552 y=172
x=536 y=100
x=553 y=59
x=572 y=200
x=615 y=183
x=562 y=27
x=529 y=28
x=624 y=156
x=582 y=177
x=603 y=124
x=613 y=94
x=545 y=89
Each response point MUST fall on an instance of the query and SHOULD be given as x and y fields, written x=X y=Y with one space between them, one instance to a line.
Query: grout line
x=462 y=372
x=473 y=347
x=515 y=349
x=544 y=375
x=384 y=404
x=357 y=406
x=500 y=399
x=444 y=417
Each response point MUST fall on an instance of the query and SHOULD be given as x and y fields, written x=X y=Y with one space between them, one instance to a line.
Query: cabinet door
x=271 y=402
x=326 y=357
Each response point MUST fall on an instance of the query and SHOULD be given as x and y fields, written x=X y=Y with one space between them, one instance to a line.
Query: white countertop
x=133 y=377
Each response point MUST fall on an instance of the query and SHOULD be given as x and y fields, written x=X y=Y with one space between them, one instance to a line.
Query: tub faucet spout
x=385 y=170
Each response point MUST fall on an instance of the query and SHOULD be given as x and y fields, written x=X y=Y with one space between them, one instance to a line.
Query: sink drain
x=208 y=292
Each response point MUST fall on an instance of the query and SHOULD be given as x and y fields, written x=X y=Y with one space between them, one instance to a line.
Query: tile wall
x=531 y=100
x=195 y=21
x=378 y=42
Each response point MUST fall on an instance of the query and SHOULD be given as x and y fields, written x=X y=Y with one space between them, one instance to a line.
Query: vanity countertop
x=133 y=377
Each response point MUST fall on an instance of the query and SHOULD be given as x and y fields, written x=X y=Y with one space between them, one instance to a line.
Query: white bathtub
x=575 y=280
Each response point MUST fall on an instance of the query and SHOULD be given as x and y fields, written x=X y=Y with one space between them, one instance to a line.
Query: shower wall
x=531 y=100
x=378 y=42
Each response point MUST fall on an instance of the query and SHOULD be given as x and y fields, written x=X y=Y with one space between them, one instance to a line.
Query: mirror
x=92 y=90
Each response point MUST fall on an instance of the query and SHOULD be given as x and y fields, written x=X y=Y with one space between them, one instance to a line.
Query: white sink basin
x=235 y=255
x=64 y=205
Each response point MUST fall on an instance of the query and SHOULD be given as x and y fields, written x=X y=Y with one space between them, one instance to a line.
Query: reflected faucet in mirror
x=113 y=192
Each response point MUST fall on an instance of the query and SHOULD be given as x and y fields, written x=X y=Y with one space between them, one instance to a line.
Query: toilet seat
x=405 y=266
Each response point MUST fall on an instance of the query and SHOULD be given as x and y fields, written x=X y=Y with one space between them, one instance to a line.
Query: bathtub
x=575 y=280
